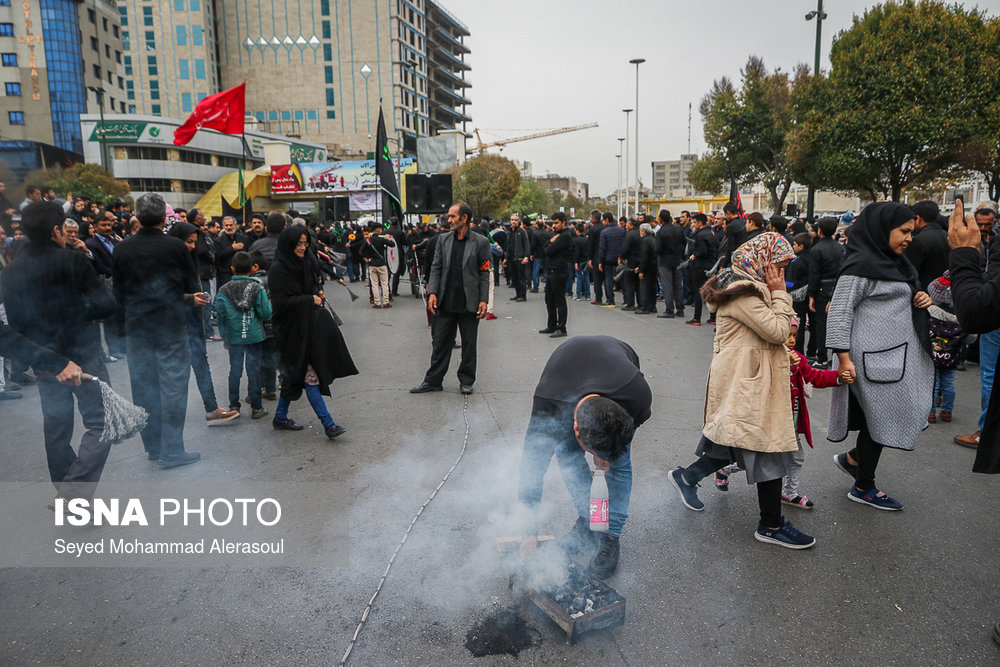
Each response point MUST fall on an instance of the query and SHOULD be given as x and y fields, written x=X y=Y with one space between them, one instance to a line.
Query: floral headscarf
x=761 y=251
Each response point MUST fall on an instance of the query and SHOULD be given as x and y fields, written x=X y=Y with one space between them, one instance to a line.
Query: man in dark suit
x=457 y=294
x=517 y=257
x=672 y=244
x=101 y=246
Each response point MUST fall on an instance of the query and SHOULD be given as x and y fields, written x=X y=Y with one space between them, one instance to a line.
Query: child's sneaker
x=802 y=502
x=785 y=535
x=932 y=419
x=721 y=481
x=259 y=413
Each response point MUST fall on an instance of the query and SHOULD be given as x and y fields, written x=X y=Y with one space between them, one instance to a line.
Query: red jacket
x=802 y=373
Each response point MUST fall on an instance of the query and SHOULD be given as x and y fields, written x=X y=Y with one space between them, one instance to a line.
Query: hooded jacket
x=242 y=307
x=748 y=394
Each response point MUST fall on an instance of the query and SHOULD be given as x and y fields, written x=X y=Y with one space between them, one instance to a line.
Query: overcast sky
x=542 y=64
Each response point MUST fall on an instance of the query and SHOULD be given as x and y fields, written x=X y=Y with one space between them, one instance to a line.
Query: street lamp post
x=625 y=209
x=819 y=15
x=618 y=189
x=366 y=71
x=99 y=91
x=637 y=62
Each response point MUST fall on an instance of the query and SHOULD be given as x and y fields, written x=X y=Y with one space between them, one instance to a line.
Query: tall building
x=170 y=54
x=58 y=60
x=317 y=69
x=670 y=177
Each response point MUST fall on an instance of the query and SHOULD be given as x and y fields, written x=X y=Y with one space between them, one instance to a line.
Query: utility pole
x=637 y=62
x=99 y=91
x=625 y=210
x=819 y=15
x=689 y=128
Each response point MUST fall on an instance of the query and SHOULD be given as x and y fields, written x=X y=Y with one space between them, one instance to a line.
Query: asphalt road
x=917 y=587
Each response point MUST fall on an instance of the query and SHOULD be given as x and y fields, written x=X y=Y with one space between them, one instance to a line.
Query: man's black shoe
x=465 y=389
x=558 y=333
x=335 y=430
x=513 y=298
x=533 y=291
x=628 y=307
x=643 y=311
x=7 y=395
x=175 y=460
x=605 y=561
x=546 y=330
x=521 y=299
x=288 y=424
x=666 y=316
x=152 y=456
x=423 y=388
x=580 y=540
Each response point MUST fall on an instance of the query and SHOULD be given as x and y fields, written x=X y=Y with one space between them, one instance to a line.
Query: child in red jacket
x=801 y=374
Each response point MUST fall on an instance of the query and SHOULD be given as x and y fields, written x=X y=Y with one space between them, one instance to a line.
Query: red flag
x=223 y=111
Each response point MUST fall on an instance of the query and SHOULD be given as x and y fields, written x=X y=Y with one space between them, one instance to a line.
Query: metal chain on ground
x=406 y=534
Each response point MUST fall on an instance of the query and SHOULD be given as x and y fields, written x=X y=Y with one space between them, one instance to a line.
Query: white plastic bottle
x=599 y=507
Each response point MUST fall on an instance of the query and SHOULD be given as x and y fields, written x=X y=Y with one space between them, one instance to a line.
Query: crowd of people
x=882 y=309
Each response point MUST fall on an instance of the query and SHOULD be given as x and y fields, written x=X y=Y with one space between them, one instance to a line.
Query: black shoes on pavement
x=465 y=389
x=546 y=330
x=335 y=430
x=605 y=561
x=288 y=424
x=177 y=460
x=423 y=388
x=558 y=333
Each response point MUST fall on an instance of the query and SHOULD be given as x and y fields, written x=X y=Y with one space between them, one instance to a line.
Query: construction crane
x=502 y=143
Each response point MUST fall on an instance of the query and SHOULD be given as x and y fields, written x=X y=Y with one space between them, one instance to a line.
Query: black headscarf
x=868 y=252
x=288 y=264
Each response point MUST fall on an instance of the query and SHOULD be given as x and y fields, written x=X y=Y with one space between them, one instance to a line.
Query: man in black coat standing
x=630 y=258
x=736 y=231
x=596 y=276
x=928 y=251
x=154 y=280
x=558 y=254
x=517 y=257
x=704 y=253
x=672 y=243
x=458 y=292
x=54 y=298
x=648 y=251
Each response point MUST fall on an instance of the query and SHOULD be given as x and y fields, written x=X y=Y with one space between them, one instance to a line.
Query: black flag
x=391 y=204
x=734 y=193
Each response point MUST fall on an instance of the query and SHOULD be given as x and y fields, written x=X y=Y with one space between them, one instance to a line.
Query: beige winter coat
x=748 y=401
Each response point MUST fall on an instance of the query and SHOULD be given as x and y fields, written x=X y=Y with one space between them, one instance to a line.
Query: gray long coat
x=475 y=269
x=872 y=319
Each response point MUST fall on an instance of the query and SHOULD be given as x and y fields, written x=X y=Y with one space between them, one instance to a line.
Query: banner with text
x=329 y=177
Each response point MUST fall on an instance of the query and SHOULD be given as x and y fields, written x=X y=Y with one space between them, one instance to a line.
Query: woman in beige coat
x=747 y=414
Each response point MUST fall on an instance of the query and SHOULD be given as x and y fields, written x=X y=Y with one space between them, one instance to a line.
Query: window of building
x=12 y=89
x=199 y=68
x=6 y=29
x=328 y=53
x=154 y=90
x=150 y=40
x=182 y=36
x=93 y=44
x=126 y=41
x=197 y=37
x=97 y=71
x=107 y=50
x=147 y=16
x=122 y=15
x=178 y=5
x=330 y=100
x=183 y=71
x=195 y=5
x=155 y=109
x=130 y=90
x=326 y=29
x=131 y=108
x=8 y=59
x=311 y=114
x=91 y=16
x=4 y=3
x=328 y=71
x=118 y=57
x=331 y=114
x=104 y=23
x=115 y=31
x=186 y=102
x=15 y=117
x=121 y=83
x=151 y=66
x=324 y=7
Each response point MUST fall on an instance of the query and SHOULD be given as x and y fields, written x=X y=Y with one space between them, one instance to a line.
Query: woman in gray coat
x=877 y=326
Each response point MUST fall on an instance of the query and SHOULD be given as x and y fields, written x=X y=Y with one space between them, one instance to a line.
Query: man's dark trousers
x=75 y=474
x=446 y=325
x=629 y=279
x=517 y=270
x=609 y=282
x=597 y=280
x=673 y=291
x=555 y=298
x=820 y=317
x=159 y=369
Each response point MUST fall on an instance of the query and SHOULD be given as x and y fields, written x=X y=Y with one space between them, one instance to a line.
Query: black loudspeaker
x=418 y=194
x=440 y=193
x=792 y=210
x=335 y=209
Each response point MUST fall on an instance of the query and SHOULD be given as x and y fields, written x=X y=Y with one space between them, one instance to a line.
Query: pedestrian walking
x=558 y=253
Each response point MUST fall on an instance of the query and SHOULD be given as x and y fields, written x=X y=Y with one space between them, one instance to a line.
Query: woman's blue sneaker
x=871 y=497
x=840 y=460
x=786 y=535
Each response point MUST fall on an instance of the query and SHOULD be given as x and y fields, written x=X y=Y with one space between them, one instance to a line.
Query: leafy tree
x=980 y=154
x=88 y=181
x=487 y=183
x=748 y=127
x=906 y=81
x=531 y=197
